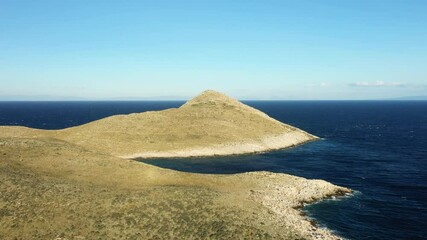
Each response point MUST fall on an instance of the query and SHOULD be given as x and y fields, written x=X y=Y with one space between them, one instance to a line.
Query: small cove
x=377 y=148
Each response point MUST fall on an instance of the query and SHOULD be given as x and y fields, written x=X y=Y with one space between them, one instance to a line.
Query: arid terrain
x=68 y=185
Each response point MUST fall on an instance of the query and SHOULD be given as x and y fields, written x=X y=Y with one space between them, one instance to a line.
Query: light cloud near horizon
x=378 y=84
x=322 y=84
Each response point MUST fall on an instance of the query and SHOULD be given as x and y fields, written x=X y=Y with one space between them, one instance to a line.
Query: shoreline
x=316 y=230
x=287 y=201
x=267 y=144
x=313 y=221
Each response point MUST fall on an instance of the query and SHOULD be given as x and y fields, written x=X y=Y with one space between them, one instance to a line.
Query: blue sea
x=377 y=148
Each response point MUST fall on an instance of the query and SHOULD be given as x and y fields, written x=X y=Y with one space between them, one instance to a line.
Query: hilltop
x=209 y=124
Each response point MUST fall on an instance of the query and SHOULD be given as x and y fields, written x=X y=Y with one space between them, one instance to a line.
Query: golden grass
x=69 y=184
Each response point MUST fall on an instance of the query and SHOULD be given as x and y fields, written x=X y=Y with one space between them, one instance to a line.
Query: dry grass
x=51 y=188
x=69 y=185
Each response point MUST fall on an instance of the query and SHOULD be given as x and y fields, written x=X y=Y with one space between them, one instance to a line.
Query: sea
x=376 y=148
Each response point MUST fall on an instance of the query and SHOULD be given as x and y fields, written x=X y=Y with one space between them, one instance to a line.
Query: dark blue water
x=377 y=148
x=57 y=115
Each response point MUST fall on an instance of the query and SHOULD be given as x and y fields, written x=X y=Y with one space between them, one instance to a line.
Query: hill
x=209 y=124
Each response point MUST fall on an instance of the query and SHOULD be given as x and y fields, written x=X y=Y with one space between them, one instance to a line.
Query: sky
x=272 y=50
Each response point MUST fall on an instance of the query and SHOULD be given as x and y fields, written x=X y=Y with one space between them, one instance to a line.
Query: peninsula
x=209 y=124
x=80 y=183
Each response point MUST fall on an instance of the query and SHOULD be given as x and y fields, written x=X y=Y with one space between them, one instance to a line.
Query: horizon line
x=185 y=100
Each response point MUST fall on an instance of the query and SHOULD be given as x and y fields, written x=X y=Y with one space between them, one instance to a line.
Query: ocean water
x=377 y=148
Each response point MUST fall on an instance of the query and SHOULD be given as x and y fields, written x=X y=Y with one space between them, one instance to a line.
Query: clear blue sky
x=301 y=49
